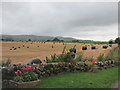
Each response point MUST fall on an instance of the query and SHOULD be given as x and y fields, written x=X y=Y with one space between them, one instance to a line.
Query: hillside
x=32 y=37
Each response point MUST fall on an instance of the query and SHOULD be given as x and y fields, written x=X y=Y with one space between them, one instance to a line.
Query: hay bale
x=93 y=47
x=35 y=61
x=84 y=47
x=52 y=46
x=105 y=47
x=14 y=48
x=110 y=45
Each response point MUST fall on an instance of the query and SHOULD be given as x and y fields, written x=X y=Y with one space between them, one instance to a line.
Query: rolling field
x=41 y=50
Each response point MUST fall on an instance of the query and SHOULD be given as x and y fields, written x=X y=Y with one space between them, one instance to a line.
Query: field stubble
x=41 y=50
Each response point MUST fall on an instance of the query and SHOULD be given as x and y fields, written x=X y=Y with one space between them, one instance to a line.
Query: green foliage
x=67 y=57
x=100 y=79
x=79 y=58
x=111 y=41
x=100 y=57
x=117 y=40
x=107 y=58
x=6 y=63
x=18 y=78
x=89 y=64
x=64 y=57
x=26 y=77
x=0 y=63
x=114 y=54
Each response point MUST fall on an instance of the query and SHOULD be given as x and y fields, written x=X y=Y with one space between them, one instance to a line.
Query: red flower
x=93 y=62
x=27 y=68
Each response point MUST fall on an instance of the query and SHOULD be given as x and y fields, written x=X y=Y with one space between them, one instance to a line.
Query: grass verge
x=101 y=79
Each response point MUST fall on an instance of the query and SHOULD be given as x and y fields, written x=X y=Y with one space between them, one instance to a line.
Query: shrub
x=34 y=76
x=18 y=78
x=89 y=64
x=79 y=58
x=26 y=77
x=100 y=57
x=107 y=58
x=67 y=57
x=6 y=63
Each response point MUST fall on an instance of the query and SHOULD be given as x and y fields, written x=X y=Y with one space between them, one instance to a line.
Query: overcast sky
x=92 y=20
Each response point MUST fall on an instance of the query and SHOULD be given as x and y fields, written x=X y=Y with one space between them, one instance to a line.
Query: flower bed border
x=15 y=84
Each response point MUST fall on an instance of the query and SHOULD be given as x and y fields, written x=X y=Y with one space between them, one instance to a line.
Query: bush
x=107 y=58
x=100 y=57
x=29 y=76
x=18 y=78
x=6 y=63
x=89 y=64
x=67 y=57
x=79 y=58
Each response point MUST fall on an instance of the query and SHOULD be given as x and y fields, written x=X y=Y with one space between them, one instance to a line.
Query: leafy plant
x=34 y=76
x=107 y=58
x=100 y=57
x=18 y=78
x=6 y=63
x=89 y=64
x=29 y=76
x=79 y=58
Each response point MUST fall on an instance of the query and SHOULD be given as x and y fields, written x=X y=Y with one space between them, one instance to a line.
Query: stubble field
x=25 y=51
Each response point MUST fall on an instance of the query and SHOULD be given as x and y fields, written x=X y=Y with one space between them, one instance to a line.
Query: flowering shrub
x=25 y=73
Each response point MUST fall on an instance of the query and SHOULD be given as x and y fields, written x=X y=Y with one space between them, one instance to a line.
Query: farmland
x=26 y=51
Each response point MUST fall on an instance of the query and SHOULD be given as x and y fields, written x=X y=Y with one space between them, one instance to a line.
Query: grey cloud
x=60 y=19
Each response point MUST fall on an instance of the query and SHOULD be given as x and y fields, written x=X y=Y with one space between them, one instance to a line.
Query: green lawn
x=101 y=79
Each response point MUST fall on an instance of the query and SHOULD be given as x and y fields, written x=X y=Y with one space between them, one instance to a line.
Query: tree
x=56 y=39
x=29 y=39
x=117 y=40
x=2 y=39
x=48 y=40
x=111 y=41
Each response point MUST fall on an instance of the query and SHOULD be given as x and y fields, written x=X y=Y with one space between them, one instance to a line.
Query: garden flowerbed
x=26 y=76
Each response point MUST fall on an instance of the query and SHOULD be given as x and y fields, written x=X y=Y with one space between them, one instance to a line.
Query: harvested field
x=26 y=51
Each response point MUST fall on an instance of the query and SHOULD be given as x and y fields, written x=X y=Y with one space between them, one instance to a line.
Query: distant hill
x=33 y=38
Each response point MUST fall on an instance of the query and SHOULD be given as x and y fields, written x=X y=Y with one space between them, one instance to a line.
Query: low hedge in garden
x=29 y=73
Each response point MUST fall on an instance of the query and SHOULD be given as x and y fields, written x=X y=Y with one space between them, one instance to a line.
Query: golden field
x=41 y=50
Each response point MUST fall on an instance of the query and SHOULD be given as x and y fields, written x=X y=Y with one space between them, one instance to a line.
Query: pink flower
x=37 y=68
x=19 y=71
x=16 y=73
x=30 y=66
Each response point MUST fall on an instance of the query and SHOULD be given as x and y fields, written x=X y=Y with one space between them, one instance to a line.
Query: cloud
x=81 y=20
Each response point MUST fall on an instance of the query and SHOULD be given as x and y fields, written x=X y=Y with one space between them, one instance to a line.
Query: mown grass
x=101 y=79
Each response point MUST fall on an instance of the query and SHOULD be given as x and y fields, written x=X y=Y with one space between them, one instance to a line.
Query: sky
x=82 y=20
